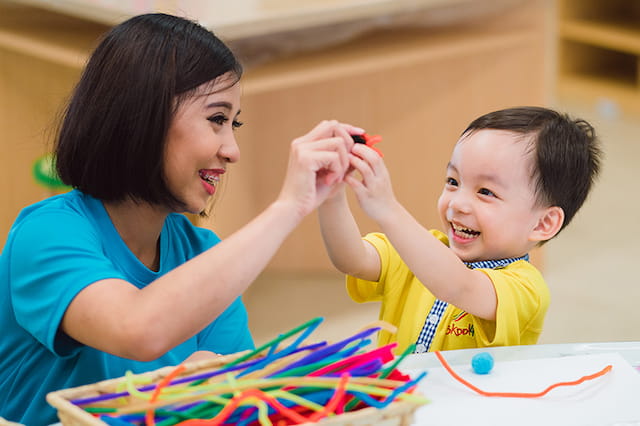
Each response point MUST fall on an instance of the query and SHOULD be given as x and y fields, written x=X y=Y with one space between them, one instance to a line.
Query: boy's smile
x=488 y=206
x=463 y=234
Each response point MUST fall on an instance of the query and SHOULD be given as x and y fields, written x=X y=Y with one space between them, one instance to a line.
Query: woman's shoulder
x=68 y=205
x=49 y=222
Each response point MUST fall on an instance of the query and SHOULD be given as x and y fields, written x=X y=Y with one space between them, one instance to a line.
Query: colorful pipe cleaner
x=279 y=383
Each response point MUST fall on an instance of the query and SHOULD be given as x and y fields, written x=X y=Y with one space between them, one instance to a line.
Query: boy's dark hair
x=112 y=139
x=566 y=151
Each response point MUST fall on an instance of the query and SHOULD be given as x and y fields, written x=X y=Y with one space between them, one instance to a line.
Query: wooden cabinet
x=416 y=86
x=599 y=52
x=41 y=56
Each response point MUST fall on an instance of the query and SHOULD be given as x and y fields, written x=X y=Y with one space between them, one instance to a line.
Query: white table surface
x=630 y=351
x=611 y=400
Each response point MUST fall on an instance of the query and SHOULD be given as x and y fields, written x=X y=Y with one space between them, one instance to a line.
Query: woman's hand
x=201 y=356
x=318 y=162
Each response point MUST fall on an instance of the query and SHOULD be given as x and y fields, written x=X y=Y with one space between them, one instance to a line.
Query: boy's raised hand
x=373 y=189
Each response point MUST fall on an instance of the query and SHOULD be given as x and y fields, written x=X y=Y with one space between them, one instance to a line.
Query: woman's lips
x=210 y=179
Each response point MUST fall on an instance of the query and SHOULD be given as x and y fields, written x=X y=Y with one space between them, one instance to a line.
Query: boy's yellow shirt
x=523 y=299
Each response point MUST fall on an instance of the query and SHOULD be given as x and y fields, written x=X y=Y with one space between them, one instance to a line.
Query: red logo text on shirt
x=458 y=331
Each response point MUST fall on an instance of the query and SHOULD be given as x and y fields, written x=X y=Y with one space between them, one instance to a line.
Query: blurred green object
x=44 y=172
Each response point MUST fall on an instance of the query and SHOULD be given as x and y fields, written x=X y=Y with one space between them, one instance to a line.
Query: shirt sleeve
x=229 y=333
x=53 y=256
x=392 y=267
x=371 y=291
x=523 y=299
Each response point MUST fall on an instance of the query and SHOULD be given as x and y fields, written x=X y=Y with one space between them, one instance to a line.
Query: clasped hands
x=325 y=158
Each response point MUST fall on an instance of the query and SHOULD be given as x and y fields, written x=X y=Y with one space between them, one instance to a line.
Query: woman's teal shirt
x=56 y=248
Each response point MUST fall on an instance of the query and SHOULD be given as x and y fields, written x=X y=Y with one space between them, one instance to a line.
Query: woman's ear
x=548 y=225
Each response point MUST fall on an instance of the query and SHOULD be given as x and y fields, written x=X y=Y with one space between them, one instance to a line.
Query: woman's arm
x=116 y=317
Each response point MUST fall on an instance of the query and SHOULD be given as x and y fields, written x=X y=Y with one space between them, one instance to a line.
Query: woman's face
x=201 y=142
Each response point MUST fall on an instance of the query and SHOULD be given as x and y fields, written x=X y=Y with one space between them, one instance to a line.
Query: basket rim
x=71 y=414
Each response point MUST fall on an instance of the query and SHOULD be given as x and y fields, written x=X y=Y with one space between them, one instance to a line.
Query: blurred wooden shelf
x=597 y=88
x=623 y=36
x=416 y=86
x=599 y=52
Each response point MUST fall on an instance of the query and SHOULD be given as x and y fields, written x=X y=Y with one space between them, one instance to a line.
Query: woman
x=111 y=277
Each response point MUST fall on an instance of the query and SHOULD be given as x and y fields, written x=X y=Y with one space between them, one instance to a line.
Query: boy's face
x=487 y=205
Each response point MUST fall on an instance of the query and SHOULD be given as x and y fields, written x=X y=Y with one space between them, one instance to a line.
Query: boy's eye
x=485 y=191
x=451 y=181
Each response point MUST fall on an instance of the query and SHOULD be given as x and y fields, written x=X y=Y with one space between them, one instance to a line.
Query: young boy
x=515 y=179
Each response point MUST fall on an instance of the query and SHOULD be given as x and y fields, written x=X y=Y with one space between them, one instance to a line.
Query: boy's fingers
x=362 y=166
x=367 y=154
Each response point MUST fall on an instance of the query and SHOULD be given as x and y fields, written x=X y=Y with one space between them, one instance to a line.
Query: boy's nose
x=460 y=203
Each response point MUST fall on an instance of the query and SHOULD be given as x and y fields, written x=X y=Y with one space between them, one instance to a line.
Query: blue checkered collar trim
x=495 y=264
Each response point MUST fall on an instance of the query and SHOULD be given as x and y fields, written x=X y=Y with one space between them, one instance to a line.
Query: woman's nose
x=229 y=150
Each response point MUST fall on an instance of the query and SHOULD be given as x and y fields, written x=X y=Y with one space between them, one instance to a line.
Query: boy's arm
x=437 y=267
x=434 y=264
x=347 y=250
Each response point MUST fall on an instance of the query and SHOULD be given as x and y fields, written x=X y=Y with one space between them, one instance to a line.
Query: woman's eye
x=451 y=181
x=485 y=191
x=218 y=119
x=222 y=119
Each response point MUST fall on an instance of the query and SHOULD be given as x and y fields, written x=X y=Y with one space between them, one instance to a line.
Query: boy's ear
x=548 y=225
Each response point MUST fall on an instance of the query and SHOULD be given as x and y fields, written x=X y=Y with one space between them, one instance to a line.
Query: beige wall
x=417 y=88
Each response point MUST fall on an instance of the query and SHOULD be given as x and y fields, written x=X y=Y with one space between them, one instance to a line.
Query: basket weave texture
x=396 y=413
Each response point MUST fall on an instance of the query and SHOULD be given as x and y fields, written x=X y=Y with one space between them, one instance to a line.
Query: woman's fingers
x=327 y=157
x=331 y=128
x=333 y=136
x=317 y=162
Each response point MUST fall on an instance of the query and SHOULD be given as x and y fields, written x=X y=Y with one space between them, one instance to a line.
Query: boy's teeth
x=465 y=231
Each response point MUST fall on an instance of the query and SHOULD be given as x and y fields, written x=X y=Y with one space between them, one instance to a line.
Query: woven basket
x=5 y=422
x=396 y=413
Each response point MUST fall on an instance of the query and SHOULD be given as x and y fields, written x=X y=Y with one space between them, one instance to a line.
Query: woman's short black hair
x=112 y=137
x=567 y=153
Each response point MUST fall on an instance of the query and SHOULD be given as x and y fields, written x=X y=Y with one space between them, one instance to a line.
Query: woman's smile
x=210 y=179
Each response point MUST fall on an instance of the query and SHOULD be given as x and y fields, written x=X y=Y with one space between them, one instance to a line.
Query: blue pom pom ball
x=482 y=363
